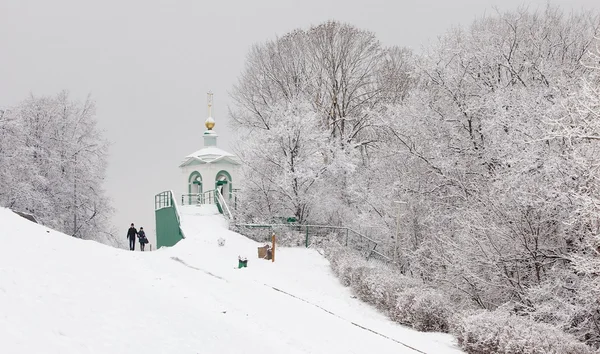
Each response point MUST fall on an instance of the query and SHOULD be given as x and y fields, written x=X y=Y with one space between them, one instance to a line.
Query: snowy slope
x=64 y=295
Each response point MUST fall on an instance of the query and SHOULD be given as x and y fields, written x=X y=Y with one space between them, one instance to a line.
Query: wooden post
x=273 y=247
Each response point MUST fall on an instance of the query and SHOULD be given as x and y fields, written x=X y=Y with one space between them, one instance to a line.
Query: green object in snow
x=242 y=263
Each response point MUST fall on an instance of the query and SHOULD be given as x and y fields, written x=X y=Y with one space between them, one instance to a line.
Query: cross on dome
x=210 y=122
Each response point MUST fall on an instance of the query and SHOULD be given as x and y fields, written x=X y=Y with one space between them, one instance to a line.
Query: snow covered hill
x=64 y=295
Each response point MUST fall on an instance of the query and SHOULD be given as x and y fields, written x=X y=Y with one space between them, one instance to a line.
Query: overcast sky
x=148 y=65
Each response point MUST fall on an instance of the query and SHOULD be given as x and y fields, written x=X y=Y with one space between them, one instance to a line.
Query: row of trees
x=53 y=160
x=491 y=137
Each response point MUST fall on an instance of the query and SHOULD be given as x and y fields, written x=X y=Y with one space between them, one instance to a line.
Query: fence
x=210 y=197
x=311 y=236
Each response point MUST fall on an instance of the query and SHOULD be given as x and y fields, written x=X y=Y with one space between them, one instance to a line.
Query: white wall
x=209 y=174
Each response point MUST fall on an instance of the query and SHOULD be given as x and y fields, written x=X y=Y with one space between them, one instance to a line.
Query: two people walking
x=132 y=233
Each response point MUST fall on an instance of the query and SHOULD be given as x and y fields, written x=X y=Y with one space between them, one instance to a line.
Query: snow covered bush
x=395 y=284
x=368 y=284
x=337 y=261
x=380 y=285
x=501 y=332
x=422 y=308
x=404 y=299
x=348 y=267
x=372 y=287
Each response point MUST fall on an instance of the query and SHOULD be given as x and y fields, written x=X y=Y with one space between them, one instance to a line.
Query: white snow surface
x=59 y=294
x=212 y=151
x=209 y=154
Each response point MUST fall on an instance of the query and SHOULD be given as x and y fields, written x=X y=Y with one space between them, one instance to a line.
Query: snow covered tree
x=579 y=130
x=333 y=66
x=482 y=160
x=341 y=75
x=280 y=175
x=489 y=136
x=56 y=161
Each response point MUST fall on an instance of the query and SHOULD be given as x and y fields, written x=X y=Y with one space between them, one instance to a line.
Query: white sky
x=148 y=65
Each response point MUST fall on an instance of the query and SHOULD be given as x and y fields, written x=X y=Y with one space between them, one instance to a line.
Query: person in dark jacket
x=142 y=238
x=131 y=233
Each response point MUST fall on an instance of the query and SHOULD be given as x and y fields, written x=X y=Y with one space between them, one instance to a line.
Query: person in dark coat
x=131 y=233
x=142 y=238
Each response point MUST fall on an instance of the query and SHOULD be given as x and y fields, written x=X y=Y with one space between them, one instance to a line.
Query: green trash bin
x=242 y=262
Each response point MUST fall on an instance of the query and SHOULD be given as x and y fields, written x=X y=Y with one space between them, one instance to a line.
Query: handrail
x=213 y=196
x=198 y=198
x=162 y=200
x=224 y=205
x=177 y=213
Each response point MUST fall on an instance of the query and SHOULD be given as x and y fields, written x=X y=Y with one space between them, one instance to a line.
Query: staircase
x=168 y=222
x=168 y=215
x=212 y=196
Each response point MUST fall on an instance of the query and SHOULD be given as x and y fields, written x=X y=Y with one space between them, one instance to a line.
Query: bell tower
x=209 y=168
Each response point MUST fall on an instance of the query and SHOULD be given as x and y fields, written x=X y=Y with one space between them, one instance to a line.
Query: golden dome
x=210 y=123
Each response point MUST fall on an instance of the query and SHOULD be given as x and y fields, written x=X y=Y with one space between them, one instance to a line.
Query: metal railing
x=163 y=200
x=212 y=196
x=221 y=201
x=177 y=213
x=312 y=236
x=166 y=200
x=207 y=197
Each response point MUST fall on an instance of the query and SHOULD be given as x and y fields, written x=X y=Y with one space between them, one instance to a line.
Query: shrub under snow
x=501 y=332
x=422 y=308
x=405 y=299
x=410 y=302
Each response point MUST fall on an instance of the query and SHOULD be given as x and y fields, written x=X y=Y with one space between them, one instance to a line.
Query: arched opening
x=223 y=183
x=194 y=187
